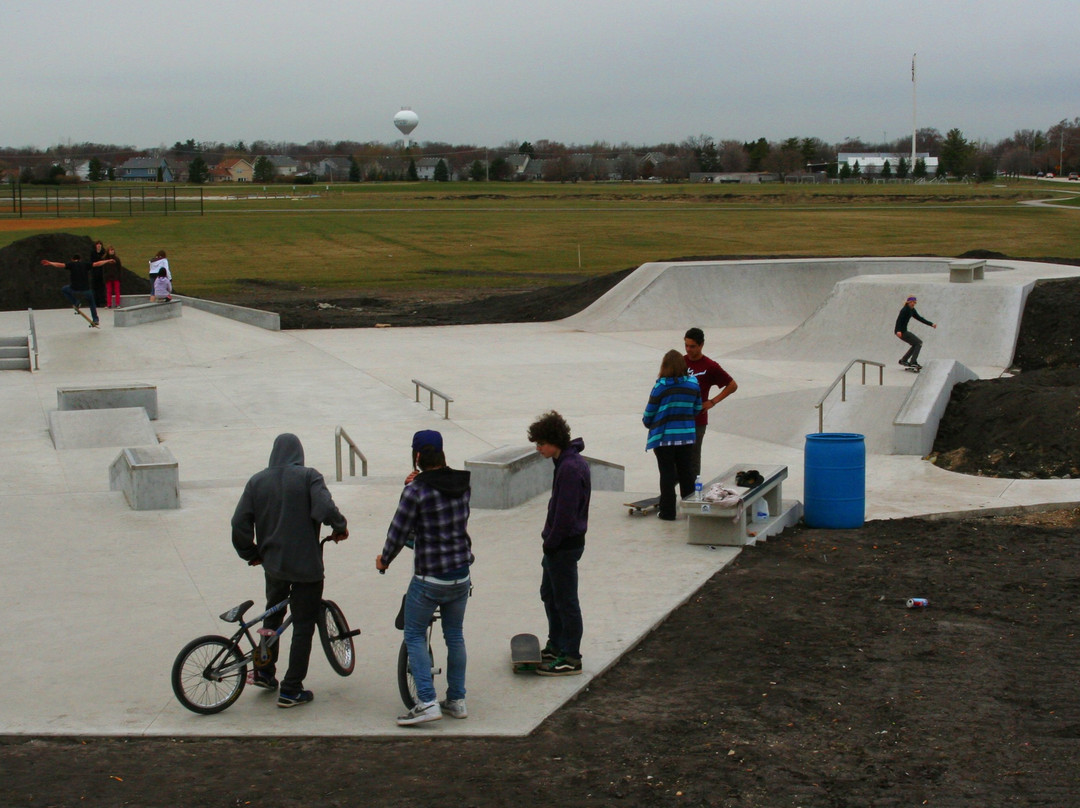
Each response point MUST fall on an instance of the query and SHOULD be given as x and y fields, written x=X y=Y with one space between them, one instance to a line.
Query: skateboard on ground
x=524 y=653
x=83 y=314
x=643 y=506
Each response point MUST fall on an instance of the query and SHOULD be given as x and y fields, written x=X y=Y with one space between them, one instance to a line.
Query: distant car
x=1049 y=175
x=1074 y=176
x=1040 y=174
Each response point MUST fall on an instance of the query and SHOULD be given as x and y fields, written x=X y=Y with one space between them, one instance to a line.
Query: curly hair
x=550 y=428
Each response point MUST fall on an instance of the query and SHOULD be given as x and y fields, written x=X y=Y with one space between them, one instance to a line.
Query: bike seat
x=236 y=613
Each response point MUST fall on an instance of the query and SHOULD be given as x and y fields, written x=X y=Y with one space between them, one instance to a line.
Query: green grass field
x=505 y=235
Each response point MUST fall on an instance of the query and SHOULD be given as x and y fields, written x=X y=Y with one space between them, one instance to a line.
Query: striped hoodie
x=671 y=412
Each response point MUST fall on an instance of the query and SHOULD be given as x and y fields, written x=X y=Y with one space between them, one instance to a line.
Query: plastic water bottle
x=697 y=488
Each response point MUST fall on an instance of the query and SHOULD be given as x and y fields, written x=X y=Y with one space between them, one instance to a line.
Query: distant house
x=519 y=164
x=334 y=169
x=145 y=169
x=284 y=166
x=425 y=168
x=232 y=169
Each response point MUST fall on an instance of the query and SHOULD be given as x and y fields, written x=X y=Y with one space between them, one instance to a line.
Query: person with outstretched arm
x=911 y=358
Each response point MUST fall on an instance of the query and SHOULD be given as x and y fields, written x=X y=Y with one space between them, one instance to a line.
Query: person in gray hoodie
x=276 y=524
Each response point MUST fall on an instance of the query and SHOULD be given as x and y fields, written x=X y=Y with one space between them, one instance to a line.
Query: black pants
x=304 y=601
x=559 y=592
x=676 y=465
x=912 y=355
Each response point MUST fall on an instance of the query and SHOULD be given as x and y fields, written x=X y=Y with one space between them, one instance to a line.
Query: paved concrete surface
x=97 y=598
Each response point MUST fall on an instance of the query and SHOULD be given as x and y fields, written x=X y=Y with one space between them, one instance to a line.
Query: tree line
x=1026 y=152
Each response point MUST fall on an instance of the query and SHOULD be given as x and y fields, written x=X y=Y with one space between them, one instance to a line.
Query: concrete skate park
x=99 y=595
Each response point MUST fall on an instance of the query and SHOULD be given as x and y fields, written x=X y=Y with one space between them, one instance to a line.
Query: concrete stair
x=14 y=353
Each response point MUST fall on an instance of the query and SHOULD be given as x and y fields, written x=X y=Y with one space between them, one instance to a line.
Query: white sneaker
x=421 y=713
x=455 y=708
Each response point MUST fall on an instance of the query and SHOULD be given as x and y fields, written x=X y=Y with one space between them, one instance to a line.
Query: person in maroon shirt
x=708 y=374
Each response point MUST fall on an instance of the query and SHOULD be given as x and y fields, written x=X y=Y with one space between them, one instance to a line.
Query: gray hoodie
x=278 y=516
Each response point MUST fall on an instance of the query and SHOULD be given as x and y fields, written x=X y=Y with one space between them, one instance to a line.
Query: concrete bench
x=510 y=475
x=109 y=396
x=966 y=271
x=710 y=524
x=146 y=313
x=149 y=476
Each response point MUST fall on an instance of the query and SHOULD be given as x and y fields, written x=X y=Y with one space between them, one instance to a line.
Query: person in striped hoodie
x=670 y=416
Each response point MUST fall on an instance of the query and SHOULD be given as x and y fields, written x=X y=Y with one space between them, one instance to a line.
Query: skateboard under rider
x=83 y=314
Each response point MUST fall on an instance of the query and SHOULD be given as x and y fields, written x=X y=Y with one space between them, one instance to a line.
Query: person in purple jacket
x=564 y=542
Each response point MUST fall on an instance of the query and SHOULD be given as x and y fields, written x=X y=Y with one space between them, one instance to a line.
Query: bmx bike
x=210 y=672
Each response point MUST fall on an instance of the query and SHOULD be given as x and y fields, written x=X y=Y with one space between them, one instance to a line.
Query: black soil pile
x=26 y=284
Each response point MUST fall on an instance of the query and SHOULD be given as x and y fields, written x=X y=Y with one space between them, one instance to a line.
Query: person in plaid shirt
x=433 y=514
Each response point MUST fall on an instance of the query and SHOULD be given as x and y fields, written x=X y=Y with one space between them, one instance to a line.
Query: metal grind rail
x=842 y=381
x=432 y=392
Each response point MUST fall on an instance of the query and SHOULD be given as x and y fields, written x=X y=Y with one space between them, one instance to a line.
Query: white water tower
x=406 y=121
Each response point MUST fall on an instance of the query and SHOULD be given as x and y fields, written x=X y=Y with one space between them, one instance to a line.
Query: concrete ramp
x=977 y=322
x=95 y=429
x=712 y=294
x=791 y=416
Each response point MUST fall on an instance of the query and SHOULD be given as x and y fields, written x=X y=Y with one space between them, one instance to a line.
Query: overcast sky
x=147 y=73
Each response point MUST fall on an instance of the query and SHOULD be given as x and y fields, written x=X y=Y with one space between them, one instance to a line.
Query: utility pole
x=913 y=111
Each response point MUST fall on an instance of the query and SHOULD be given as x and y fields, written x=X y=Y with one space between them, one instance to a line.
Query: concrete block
x=95 y=429
x=146 y=313
x=510 y=475
x=149 y=476
x=109 y=396
x=916 y=423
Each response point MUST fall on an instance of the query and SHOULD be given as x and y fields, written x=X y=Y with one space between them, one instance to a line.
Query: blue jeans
x=559 y=592
x=420 y=603
x=86 y=294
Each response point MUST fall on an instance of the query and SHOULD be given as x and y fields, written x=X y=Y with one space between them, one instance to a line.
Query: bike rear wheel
x=209 y=674
x=336 y=642
x=406 y=682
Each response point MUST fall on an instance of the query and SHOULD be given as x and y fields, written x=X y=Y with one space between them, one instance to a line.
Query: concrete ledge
x=916 y=423
x=149 y=477
x=269 y=320
x=510 y=475
x=146 y=313
x=96 y=429
x=109 y=396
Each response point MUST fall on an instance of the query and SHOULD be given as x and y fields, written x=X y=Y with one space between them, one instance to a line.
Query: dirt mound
x=1024 y=425
x=26 y=284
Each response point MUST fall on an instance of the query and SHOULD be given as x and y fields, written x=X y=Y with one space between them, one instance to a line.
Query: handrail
x=33 y=338
x=432 y=392
x=354 y=452
x=842 y=379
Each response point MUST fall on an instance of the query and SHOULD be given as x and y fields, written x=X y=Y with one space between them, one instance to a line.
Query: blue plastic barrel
x=834 y=480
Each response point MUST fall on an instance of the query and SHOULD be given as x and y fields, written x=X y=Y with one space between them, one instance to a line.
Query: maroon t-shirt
x=708 y=373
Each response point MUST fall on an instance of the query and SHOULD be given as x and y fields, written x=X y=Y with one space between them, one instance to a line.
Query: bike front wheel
x=209 y=674
x=336 y=639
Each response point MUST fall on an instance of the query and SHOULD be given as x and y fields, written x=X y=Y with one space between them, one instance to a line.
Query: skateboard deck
x=83 y=314
x=524 y=653
x=643 y=506
x=913 y=370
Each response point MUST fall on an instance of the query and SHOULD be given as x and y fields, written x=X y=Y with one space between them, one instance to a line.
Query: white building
x=871 y=163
